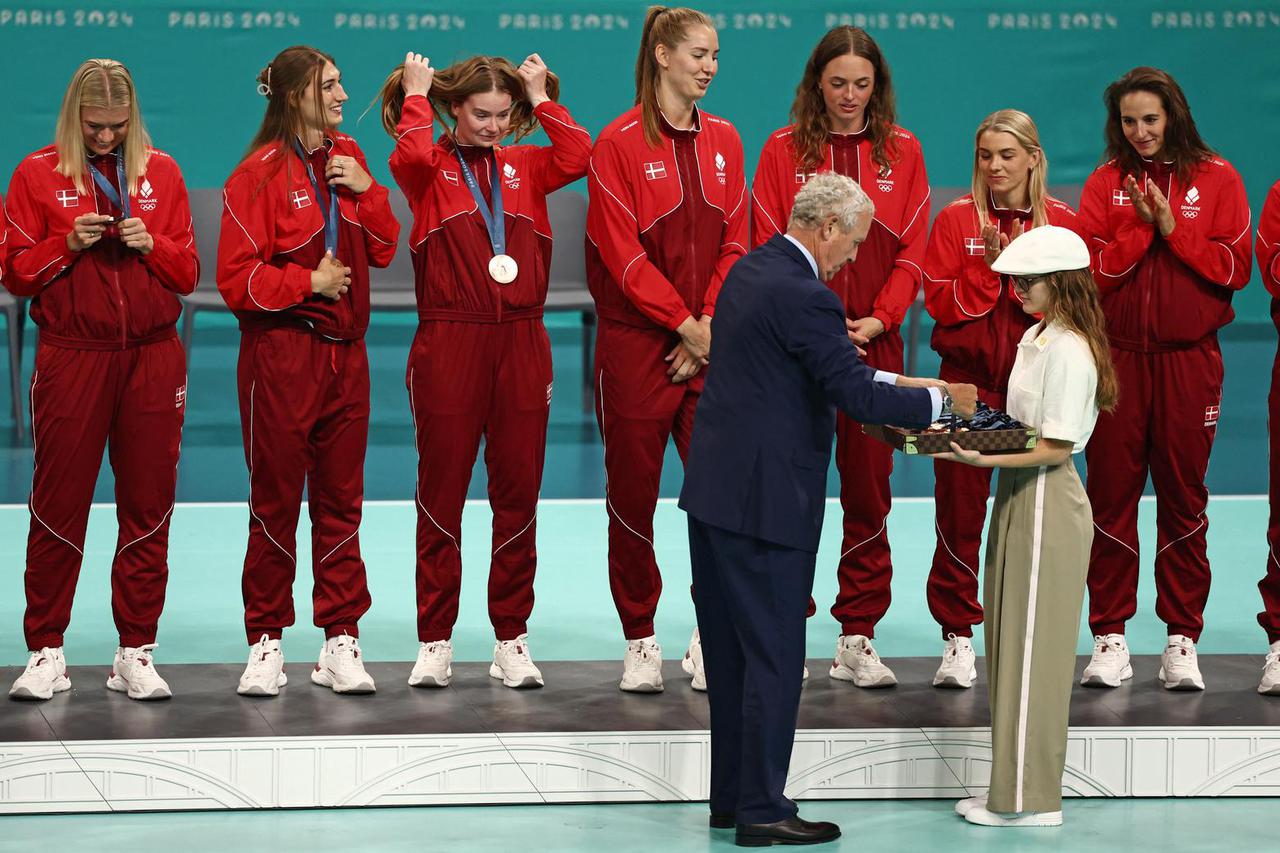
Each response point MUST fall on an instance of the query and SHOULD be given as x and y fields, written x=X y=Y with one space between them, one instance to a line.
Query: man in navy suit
x=755 y=490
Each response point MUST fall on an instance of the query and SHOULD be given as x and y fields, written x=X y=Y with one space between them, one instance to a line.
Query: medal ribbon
x=493 y=220
x=331 y=213
x=119 y=198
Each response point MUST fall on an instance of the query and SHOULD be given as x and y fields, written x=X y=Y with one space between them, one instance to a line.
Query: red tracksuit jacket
x=978 y=319
x=108 y=296
x=450 y=244
x=273 y=237
x=654 y=255
x=883 y=280
x=1268 y=245
x=1167 y=293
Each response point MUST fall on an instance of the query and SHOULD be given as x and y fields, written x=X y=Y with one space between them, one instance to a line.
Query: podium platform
x=582 y=740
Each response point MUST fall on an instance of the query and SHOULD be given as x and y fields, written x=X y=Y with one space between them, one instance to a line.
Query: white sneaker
x=642 y=666
x=45 y=675
x=341 y=667
x=982 y=817
x=512 y=664
x=692 y=663
x=134 y=672
x=1178 y=667
x=1269 y=685
x=434 y=666
x=264 y=673
x=970 y=803
x=856 y=660
x=1110 y=662
x=959 y=664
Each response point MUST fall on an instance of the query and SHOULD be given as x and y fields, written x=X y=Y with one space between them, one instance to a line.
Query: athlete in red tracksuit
x=1267 y=248
x=876 y=289
x=978 y=322
x=481 y=360
x=303 y=373
x=667 y=218
x=1167 y=223
x=110 y=371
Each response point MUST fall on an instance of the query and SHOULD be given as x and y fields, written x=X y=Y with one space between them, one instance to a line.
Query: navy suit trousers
x=751 y=598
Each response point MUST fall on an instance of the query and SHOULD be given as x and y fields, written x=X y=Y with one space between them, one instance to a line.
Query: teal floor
x=574 y=617
x=1170 y=826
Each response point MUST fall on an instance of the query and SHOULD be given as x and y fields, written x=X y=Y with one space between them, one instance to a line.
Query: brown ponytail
x=282 y=83
x=668 y=27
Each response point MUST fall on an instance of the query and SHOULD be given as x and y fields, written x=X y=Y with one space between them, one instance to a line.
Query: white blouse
x=1053 y=385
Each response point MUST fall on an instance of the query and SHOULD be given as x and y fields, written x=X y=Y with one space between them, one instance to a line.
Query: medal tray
x=919 y=442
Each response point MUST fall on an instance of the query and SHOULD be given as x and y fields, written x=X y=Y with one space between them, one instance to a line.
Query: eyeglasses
x=1026 y=282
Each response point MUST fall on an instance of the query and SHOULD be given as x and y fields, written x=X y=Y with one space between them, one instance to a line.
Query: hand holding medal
x=330 y=278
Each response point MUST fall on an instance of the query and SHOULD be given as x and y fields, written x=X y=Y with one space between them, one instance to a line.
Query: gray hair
x=829 y=194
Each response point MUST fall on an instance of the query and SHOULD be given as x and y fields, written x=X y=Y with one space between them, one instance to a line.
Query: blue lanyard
x=492 y=219
x=118 y=198
x=331 y=214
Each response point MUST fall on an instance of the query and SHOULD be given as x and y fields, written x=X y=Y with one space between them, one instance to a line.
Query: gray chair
x=567 y=289
x=206 y=217
x=393 y=289
x=15 y=317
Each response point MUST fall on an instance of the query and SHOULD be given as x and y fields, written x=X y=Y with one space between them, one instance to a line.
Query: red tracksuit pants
x=865 y=568
x=960 y=495
x=638 y=409
x=467 y=381
x=131 y=401
x=304 y=414
x=1164 y=424
x=1269 y=586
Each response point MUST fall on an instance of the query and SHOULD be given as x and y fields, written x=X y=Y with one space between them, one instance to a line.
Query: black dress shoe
x=722 y=820
x=793 y=830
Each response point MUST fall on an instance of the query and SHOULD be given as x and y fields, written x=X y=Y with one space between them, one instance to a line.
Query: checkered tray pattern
x=916 y=441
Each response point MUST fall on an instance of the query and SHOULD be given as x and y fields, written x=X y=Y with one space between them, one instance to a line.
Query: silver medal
x=503 y=269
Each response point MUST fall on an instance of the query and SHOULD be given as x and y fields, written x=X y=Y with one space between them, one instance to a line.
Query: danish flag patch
x=68 y=198
x=1120 y=198
x=300 y=199
x=180 y=397
x=802 y=177
x=655 y=170
x=1210 y=416
x=451 y=177
x=974 y=246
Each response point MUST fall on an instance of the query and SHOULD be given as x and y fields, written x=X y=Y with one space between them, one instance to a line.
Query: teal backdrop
x=953 y=62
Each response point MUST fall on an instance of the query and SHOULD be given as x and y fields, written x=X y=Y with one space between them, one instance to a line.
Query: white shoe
x=434 y=666
x=1109 y=665
x=1178 y=667
x=512 y=664
x=264 y=673
x=134 y=672
x=856 y=660
x=958 y=668
x=642 y=666
x=1270 y=683
x=45 y=675
x=982 y=817
x=341 y=667
x=970 y=803
x=692 y=663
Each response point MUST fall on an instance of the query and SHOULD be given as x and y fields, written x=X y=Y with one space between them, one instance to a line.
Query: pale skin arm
x=1047 y=452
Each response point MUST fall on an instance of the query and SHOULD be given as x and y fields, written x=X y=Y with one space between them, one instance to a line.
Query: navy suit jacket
x=782 y=364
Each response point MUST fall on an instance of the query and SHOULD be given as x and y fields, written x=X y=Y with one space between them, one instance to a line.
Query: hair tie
x=264 y=89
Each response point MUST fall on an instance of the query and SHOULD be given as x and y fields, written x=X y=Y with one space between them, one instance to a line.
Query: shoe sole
x=642 y=687
x=1273 y=690
x=962 y=809
x=843 y=673
x=1096 y=680
x=259 y=690
x=1181 y=685
x=769 y=840
x=952 y=682
x=429 y=682
x=528 y=682
x=325 y=680
x=1033 y=821
x=119 y=685
x=26 y=694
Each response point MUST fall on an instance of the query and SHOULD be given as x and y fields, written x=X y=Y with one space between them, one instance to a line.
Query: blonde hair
x=1019 y=125
x=668 y=27
x=101 y=84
